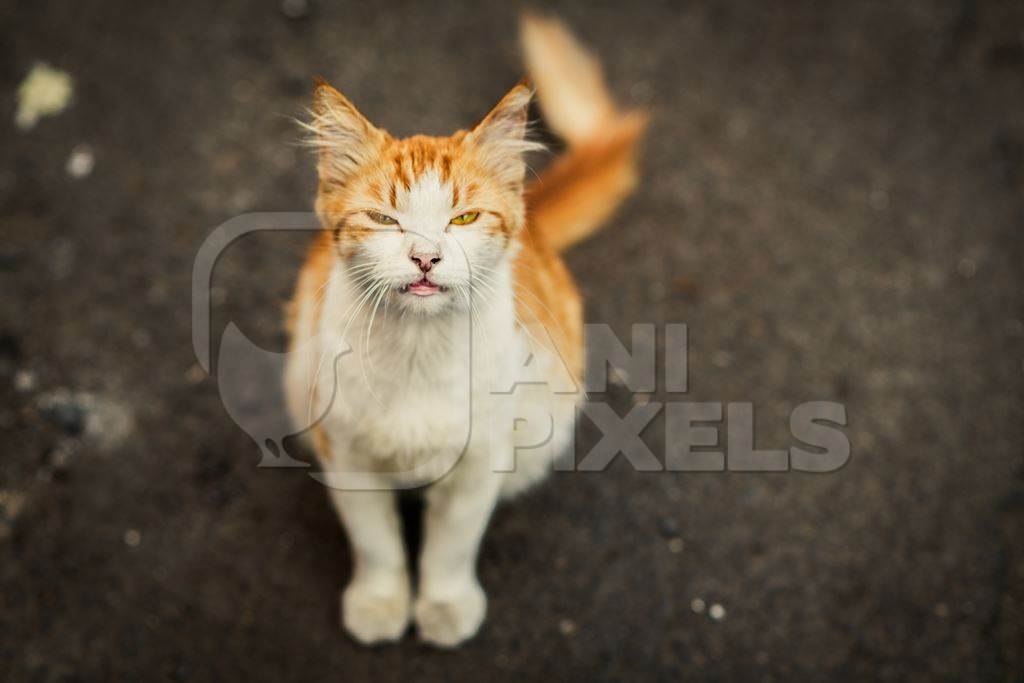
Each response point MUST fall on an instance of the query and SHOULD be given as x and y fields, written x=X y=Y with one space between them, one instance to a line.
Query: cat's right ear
x=343 y=137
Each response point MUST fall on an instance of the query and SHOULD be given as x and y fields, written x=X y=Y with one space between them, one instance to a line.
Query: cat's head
x=421 y=219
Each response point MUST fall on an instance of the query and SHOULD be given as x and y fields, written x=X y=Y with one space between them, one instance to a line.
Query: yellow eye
x=466 y=218
x=377 y=217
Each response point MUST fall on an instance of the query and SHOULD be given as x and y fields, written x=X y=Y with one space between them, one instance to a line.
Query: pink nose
x=425 y=261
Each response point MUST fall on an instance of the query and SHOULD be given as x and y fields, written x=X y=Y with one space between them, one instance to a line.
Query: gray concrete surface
x=832 y=201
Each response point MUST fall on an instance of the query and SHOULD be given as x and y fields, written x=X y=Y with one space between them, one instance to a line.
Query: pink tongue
x=423 y=288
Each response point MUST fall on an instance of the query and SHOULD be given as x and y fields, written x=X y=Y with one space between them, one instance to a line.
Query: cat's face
x=418 y=221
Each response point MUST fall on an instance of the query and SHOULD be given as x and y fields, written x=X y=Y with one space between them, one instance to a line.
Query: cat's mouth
x=422 y=287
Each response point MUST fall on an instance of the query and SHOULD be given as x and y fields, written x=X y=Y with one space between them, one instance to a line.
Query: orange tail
x=582 y=188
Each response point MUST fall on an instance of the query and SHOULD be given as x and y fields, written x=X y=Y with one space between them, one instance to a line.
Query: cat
x=437 y=329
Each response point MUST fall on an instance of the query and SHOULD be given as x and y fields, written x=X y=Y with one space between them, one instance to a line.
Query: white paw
x=450 y=619
x=375 y=615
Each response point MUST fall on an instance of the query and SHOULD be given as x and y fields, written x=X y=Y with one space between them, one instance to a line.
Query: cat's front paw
x=372 y=614
x=448 y=619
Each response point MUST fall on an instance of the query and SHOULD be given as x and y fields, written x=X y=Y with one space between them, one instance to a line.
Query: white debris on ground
x=675 y=545
x=107 y=422
x=44 y=92
x=81 y=162
x=101 y=419
x=698 y=606
x=716 y=612
x=132 y=538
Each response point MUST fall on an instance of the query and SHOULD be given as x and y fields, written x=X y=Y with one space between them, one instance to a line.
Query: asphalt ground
x=831 y=201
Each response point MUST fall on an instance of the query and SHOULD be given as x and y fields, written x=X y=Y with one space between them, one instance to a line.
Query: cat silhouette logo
x=249 y=377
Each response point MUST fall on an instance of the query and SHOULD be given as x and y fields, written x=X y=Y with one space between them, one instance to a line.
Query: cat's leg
x=450 y=604
x=375 y=605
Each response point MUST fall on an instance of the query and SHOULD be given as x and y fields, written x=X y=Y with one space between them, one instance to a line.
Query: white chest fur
x=406 y=390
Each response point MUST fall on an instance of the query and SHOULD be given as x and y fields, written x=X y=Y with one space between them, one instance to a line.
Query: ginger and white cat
x=437 y=329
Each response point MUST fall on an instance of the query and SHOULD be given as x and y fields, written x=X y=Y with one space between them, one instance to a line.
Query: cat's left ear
x=500 y=138
x=344 y=137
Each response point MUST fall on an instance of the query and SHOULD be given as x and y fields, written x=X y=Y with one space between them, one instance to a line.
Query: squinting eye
x=381 y=218
x=466 y=218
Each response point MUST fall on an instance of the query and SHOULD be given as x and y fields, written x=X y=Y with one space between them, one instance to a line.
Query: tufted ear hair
x=344 y=138
x=500 y=138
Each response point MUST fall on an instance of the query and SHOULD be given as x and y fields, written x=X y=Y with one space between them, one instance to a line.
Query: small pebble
x=243 y=200
x=24 y=381
x=675 y=546
x=697 y=605
x=567 y=627
x=195 y=374
x=81 y=162
x=716 y=612
x=60 y=456
x=132 y=538
x=11 y=503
